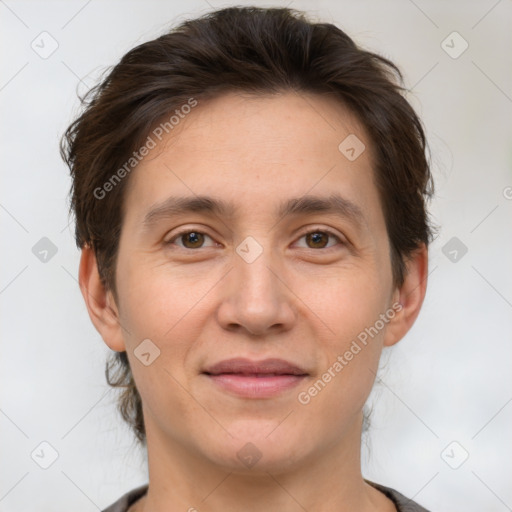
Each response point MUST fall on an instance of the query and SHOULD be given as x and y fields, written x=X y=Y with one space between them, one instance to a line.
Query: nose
x=256 y=297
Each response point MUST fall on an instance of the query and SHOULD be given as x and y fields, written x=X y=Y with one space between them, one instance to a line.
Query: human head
x=254 y=51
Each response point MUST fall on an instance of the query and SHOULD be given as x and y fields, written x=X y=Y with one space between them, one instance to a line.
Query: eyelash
x=314 y=230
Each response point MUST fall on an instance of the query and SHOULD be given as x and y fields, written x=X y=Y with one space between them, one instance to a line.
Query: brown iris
x=194 y=238
x=316 y=239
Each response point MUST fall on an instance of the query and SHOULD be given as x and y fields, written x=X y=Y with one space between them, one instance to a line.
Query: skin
x=297 y=301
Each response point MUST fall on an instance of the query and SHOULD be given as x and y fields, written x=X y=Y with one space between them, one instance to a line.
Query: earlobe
x=410 y=296
x=99 y=301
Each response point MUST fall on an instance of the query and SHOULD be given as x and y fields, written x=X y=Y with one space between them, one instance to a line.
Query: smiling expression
x=248 y=234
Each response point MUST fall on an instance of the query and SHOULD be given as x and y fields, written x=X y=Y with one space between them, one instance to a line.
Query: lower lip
x=249 y=386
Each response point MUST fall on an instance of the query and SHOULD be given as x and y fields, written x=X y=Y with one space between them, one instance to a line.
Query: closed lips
x=265 y=368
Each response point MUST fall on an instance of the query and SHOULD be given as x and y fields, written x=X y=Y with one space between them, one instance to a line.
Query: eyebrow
x=306 y=205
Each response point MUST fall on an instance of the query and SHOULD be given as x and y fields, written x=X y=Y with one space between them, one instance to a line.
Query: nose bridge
x=253 y=268
x=258 y=300
x=253 y=262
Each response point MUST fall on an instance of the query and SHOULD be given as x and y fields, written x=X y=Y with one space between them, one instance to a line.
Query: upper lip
x=244 y=366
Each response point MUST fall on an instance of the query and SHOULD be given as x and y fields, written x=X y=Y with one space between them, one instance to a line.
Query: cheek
x=345 y=300
x=346 y=377
x=170 y=309
x=351 y=309
x=157 y=300
x=167 y=312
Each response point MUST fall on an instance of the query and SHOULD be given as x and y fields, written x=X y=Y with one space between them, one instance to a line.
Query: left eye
x=190 y=239
x=319 y=239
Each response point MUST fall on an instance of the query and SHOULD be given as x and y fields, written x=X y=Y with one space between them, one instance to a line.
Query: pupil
x=193 y=238
x=316 y=238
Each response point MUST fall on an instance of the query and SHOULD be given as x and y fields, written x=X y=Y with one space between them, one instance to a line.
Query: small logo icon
x=44 y=455
x=146 y=352
x=455 y=455
x=249 y=455
x=351 y=147
x=44 y=45
x=454 y=249
x=44 y=250
x=249 y=250
x=454 y=45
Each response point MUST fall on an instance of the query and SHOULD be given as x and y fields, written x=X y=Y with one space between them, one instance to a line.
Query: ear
x=100 y=302
x=410 y=296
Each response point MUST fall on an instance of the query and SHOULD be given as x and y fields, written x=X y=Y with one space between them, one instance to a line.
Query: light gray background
x=448 y=380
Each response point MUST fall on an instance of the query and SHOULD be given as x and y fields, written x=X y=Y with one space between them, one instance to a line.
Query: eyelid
x=315 y=229
x=184 y=231
x=319 y=229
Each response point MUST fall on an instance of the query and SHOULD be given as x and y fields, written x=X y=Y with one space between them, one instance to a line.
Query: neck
x=182 y=480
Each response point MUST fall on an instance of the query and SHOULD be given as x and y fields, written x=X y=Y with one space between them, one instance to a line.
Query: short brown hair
x=255 y=50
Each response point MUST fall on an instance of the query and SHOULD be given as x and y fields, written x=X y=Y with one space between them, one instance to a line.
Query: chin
x=259 y=448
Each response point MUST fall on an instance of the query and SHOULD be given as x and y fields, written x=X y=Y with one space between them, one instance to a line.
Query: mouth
x=255 y=379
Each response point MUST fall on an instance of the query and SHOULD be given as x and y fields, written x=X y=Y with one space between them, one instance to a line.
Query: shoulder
x=128 y=499
x=402 y=503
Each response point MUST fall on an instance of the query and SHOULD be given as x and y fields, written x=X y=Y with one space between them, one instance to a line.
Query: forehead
x=257 y=151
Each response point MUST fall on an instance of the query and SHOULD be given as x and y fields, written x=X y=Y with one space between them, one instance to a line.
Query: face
x=249 y=235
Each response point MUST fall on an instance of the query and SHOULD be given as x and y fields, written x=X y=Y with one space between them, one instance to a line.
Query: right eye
x=190 y=239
